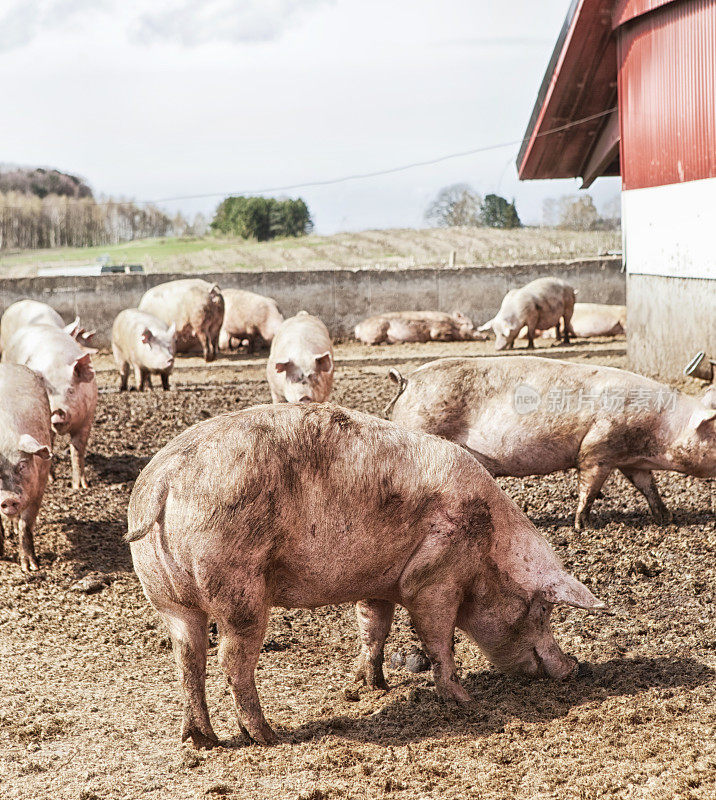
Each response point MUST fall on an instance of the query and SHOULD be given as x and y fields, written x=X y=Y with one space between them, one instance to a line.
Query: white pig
x=248 y=316
x=32 y=312
x=145 y=344
x=25 y=450
x=66 y=370
x=538 y=305
x=300 y=364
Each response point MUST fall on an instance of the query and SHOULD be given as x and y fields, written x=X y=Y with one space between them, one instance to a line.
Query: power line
x=361 y=175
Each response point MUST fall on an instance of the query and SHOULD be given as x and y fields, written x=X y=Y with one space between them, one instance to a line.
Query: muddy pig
x=415 y=326
x=301 y=506
x=300 y=363
x=248 y=316
x=145 y=344
x=533 y=416
x=196 y=308
x=593 y=319
x=31 y=312
x=25 y=450
x=538 y=305
x=66 y=370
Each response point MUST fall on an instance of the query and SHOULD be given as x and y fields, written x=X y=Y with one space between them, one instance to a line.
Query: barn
x=630 y=90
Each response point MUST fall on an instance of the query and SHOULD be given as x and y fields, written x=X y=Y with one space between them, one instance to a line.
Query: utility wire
x=362 y=175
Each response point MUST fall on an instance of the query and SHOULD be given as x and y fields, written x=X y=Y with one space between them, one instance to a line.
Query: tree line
x=262 y=218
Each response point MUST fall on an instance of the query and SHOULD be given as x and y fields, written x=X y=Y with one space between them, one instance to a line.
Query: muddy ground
x=89 y=707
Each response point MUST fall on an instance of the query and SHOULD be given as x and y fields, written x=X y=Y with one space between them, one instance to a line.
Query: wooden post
x=451 y=260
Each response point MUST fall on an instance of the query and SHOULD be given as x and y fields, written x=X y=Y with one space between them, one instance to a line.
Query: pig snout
x=10 y=504
x=60 y=419
x=547 y=662
x=305 y=399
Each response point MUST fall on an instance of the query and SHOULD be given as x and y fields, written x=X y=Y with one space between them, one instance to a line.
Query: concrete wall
x=341 y=298
x=668 y=321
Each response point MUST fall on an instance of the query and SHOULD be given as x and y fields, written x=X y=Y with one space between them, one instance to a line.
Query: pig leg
x=138 y=378
x=591 y=480
x=26 y=545
x=123 y=376
x=165 y=381
x=205 y=345
x=643 y=481
x=3 y=522
x=433 y=613
x=375 y=618
x=240 y=640
x=78 y=449
x=188 y=631
x=146 y=380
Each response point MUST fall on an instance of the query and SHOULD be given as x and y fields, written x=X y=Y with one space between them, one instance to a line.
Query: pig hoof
x=454 y=694
x=266 y=736
x=199 y=740
x=28 y=564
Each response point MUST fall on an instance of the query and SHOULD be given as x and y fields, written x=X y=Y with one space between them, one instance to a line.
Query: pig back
x=24 y=407
x=187 y=303
x=26 y=312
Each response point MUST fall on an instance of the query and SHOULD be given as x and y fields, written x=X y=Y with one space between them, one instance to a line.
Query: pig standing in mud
x=66 y=370
x=300 y=364
x=194 y=306
x=25 y=451
x=310 y=505
x=538 y=305
x=145 y=344
x=415 y=326
x=31 y=312
x=532 y=416
x=248 y=316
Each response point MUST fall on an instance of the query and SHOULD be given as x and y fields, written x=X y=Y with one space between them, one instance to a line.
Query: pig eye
x=22 y=465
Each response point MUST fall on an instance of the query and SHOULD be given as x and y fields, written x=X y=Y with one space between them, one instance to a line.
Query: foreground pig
x=144 y=344
x=533 y=416
x=310 y=505
x=248 y=316
x=594 y=319
x=415 y=326
x=31 y=312
x=25 y=450
x=196 y=309
x=66 y=370
x=300 y=364
x=539 y=305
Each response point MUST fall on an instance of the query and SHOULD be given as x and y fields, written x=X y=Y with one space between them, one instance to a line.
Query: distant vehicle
x=102 y=266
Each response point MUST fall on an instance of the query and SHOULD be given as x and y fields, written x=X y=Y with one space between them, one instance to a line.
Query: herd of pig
x=304 y=503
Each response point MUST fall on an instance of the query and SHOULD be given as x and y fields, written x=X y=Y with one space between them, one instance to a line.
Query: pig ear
x=701 y=417
x=146 y=335
x=86 y=336
x=282 y=366
x=83 y=368
x=73 y=329
x=324 y=362
x=29 y=446
x=568 y=590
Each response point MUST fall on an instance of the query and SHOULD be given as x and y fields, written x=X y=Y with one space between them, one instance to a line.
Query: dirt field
x=89 y=706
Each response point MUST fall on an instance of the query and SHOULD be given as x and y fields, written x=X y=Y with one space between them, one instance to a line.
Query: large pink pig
x=32 y=312
x=309 y=505
x=533 y=416
x=25 y=450
x=66 y=370
x=194 y=306
x=300 y=363
x=248 y=316
x=144 y=344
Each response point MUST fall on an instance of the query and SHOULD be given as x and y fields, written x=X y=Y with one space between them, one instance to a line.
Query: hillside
x=398 y=247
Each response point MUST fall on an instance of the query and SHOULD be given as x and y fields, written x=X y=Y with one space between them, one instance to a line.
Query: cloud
x=187 y=22
x=195 y=22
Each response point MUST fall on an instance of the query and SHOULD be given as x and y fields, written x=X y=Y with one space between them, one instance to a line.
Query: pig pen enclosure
x=90 y=707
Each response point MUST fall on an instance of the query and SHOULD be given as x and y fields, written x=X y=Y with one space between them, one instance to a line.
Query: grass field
x=397 y=247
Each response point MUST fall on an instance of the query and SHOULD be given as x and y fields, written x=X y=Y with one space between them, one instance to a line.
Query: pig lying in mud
x=248 y=316
x=300 y=363
x=415 y=326
x=25 y=451
x=194 y=306
x=539 y=305
x=66 y=370
x=310 y=505
x=31 y=312
x=144 y=344
x=592 y=319
x=533 y=416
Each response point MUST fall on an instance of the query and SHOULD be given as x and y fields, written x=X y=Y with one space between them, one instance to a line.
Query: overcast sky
x=157 y=98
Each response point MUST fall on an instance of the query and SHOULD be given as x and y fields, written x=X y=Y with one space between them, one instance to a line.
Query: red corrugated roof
x=625 y=10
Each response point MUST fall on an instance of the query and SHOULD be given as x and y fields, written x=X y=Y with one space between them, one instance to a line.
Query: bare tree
x=458 y=204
